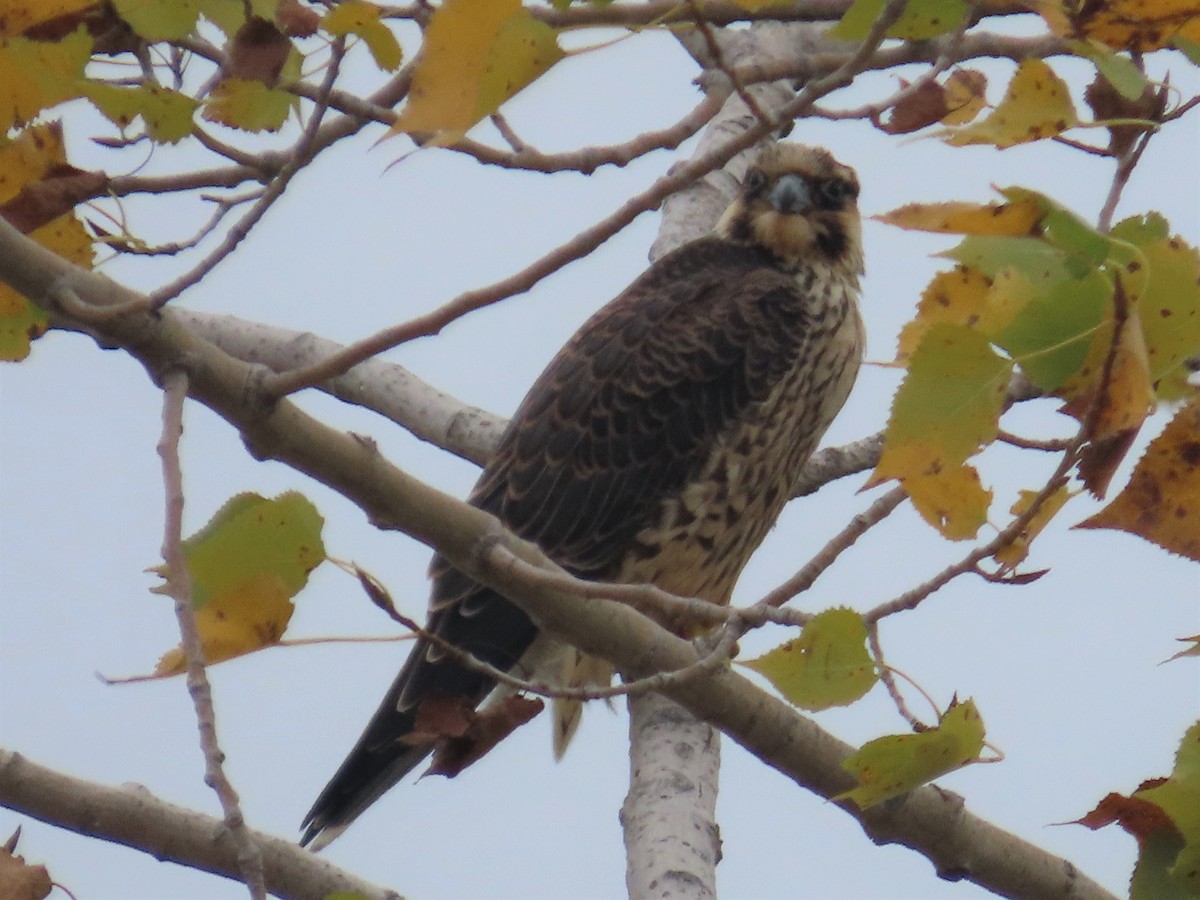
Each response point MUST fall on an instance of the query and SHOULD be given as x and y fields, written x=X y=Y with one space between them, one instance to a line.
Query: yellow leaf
x=1014 y=554
x=363 y=19
x=1135 y=25
x=948 y=405
x=476 y=54
x=957 y=297
x=245 y=565
x=1169 y=304
x=18 y=16
x=246 y=617
x=22 y=322
x=890 y=766
x=959 y=217
x=921 y=19
x=1161 y=503
x=828 y=665
x=965 y=96
x=35 y=75
x=28 y=156
x=954 y=501
x=249 y=105
x=1036 y=105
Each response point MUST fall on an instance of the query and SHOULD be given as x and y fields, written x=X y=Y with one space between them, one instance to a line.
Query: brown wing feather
x=618 y=422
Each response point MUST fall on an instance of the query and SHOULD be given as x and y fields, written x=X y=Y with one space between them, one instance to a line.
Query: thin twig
x=179 y=587
x=1054 y=445
x=510 y=136
x=719 y=63
x=888 y=676
x=588 y=159
x=842 y=541
x=302 y=153
x=717 y=655
x=1126 y=163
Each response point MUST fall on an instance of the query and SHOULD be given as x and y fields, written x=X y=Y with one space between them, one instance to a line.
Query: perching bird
x=658 y=446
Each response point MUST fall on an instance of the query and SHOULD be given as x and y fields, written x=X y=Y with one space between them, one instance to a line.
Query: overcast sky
x=1064 y=671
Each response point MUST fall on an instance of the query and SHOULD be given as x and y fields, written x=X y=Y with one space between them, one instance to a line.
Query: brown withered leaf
x=462 y=735
x=58 y=192
x=1161 y=503
x=258 y=53
x=1138 y=817
x=1127 y=399
x=21 y=881
x=1108 y=103
x=296 y=20
x=916 y=110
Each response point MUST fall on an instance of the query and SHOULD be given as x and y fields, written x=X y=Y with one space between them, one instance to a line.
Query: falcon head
x=799 y=204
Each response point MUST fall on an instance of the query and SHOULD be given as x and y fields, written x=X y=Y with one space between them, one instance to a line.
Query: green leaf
x=921 y=19
x=948 y=406
x=828 y=665
x=249 y=105
x=155 y=20
x=949 y=402
x=1142 y=229
x=1179 y=798
x=1187 y=47
x=167 y=114
x=1040 y=263
x=890 y=766
x=1119 y=70
x=250 y=535
x=1152 y=879
x=1050 y=338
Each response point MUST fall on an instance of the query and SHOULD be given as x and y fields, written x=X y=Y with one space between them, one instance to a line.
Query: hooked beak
x=790 y=195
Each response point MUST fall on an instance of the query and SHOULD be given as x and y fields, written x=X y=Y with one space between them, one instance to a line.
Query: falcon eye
x=834 y=193
x=755 y=182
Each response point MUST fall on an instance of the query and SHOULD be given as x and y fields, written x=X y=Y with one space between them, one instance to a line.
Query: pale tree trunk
x=672 y=842
x=672 y=839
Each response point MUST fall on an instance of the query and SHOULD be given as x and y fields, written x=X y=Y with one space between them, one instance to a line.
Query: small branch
x=842 y=541
x=716 y=656
x=178 y=586
x=1057 y=445
x=588 y=159
x=1126 y=163
x=133 y=817
x=888 y=677
x=717 y=57
x=506 y=131
x=307 y=146
x=134 y=247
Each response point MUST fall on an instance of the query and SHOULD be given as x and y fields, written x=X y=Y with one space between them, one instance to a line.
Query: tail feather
x=579 y=670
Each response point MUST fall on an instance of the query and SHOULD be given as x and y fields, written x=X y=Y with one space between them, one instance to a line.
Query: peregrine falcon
x=659 y=446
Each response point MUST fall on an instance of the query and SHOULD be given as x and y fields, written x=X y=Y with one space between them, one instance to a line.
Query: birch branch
x=130 y=815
